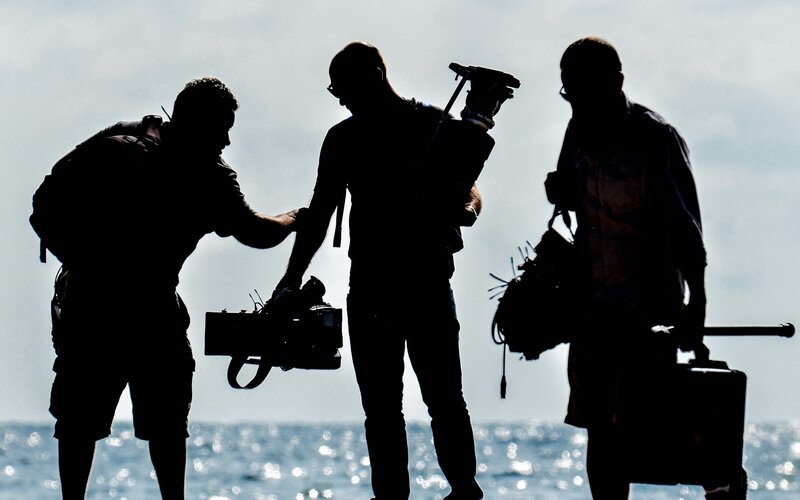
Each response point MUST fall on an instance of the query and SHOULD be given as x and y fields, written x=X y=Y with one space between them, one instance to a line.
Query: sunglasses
x=333 y=92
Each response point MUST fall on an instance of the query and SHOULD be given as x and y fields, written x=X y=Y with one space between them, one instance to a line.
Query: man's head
x=591 y=74
x=358 y=77
x=204 y=113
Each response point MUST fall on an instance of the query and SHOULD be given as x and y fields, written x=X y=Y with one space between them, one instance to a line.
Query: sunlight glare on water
x=522 y=460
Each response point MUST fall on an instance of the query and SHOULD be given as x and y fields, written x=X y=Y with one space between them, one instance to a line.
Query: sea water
x=520 y=460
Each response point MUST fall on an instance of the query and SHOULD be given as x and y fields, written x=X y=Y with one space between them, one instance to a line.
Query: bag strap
x=235 y=366
x=337 y=232
x=557 y=210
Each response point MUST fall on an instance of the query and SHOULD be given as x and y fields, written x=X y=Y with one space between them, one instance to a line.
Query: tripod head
x=489 y=84
x=485 y=76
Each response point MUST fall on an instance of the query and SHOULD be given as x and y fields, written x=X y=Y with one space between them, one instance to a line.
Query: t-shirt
x=408 y=179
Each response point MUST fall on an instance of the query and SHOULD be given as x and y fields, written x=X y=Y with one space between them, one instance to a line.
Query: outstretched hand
x=293 y=218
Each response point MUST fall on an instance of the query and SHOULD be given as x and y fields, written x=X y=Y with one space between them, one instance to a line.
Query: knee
x=454 y=408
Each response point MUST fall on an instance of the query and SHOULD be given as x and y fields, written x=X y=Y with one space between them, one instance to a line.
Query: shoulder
x=341 y=138
x=223 y=170
x=218 y=180
x=215 y=169
x=343 y=127
x=425 y=108
x=652 y=121
x=658 y=135
x=426 y=112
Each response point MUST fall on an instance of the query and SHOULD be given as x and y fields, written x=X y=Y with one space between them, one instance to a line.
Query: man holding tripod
x=411 y=178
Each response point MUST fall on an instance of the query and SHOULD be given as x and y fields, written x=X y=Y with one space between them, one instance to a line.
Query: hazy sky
x=724 y=72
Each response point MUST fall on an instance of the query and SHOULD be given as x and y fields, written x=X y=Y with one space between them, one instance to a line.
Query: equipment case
x=684 y=424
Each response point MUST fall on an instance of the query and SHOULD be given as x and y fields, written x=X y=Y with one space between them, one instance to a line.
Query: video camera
x=294 y=329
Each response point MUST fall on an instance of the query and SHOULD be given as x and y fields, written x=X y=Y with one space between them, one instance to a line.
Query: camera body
x=294 y=329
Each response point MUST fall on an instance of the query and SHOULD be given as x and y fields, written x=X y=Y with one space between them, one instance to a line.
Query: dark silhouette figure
x=625 y=172
x=122 y=212
x=409 y=195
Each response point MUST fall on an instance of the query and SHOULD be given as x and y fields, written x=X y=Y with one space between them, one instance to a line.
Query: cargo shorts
x=101 y=356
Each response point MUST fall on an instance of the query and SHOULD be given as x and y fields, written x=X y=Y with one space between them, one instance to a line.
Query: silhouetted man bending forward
x=122 y=212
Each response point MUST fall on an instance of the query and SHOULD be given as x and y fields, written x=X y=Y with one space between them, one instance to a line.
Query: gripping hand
x=489 y=89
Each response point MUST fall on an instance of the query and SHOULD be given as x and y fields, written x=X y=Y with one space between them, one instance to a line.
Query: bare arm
x=472 y=208
x=265 y=231
x=308 y=241
x=329 y=187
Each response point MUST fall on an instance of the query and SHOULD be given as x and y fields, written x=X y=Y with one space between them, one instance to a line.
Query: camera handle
x=453 y=98
x=701 y=351
x=237 y=363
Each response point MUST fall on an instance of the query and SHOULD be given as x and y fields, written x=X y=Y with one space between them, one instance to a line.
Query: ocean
x=284 y=461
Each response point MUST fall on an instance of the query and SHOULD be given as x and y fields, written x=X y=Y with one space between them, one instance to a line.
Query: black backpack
x=58 y=201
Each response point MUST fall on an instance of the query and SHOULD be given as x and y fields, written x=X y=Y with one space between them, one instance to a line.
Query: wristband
x=477 y=118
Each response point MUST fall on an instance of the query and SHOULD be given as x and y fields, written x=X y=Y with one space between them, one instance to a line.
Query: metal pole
x=783 y=330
